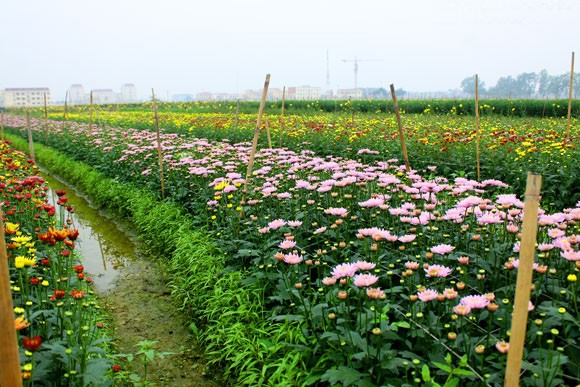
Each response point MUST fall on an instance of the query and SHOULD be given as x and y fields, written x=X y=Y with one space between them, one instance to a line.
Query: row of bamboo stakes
x=9 y=359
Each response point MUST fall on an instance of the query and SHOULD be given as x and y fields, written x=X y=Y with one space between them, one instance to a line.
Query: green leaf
x=425 y=374
x=345 y=375
x=453 y=382
x=442 y=366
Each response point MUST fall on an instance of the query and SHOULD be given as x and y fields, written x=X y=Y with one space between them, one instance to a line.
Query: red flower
x=45 y=261
x=34 y=281
x=116 y=368
x=60 y=192
x=79 y=268
x=73 y=234
x=32 y=343
x=77 y=294
x=59 y=293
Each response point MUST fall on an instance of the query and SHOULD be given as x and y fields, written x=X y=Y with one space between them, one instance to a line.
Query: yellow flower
x=21 y=261
x=572 y=278
x=11 y=228
x=220 y=186
x=20 y=323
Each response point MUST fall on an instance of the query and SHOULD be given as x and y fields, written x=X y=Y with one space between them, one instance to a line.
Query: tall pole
x=30 y=141
x=256 y=136
x=9 y=358
x=570 y=97
x=45 y=118
x=477 y=127
x=523 y=281
x=401 y=134
x=159 y=150
x=91 y=112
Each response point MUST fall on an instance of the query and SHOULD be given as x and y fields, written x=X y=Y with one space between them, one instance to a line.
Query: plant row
x=60 y=327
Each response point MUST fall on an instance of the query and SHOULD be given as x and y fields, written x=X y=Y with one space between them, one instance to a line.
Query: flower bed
x=60 y=327
x=391 y=277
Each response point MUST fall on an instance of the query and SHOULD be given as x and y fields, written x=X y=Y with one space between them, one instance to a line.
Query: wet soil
x=135 y=294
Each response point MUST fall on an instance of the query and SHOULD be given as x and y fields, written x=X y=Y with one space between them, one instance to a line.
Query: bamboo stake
x=401 y=134
x=45 y=118
x=570 y=97
x=30 y=142
x=524 y=280
x=237 y=114
x=9 y=358
x=256 y=136
x=268 y=133
x=159 y=150
x=477 y=127
x=65 y=108
x=2 y=119
x=282 y=114
x=91 y=112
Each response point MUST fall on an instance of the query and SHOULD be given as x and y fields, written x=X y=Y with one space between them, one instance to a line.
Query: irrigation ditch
x=133 y=288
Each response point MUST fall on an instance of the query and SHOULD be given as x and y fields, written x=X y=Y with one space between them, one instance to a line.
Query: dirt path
x=141 y=308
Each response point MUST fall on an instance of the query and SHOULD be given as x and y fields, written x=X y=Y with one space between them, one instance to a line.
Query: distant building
x=182 y=97
x=204 y=96
x=291 y=93
x=104 y=96
x=1 y=98
x=309 y=93
x=26 y=96
x=349 y=93
x=76 y=94
x=128 y=93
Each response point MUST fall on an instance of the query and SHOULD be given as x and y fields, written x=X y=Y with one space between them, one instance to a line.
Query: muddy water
x=135 y=294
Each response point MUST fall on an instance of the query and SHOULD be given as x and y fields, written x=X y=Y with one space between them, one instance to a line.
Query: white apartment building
x=76 y=94
x=103 y=96
x=128 y=93
x=309 y=93
x=26 y=96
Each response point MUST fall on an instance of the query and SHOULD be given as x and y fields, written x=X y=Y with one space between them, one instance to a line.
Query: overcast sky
x=179 y=46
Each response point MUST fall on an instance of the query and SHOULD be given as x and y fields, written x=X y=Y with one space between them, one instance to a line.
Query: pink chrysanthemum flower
x=364 y=265
x=571 y=255
x=276 y=224
x=344 y=270
x=475 y=301
x=463 y=260
x=375 y=293
x=555 y=233
x=363 y=280
x=502 y=346
x=292 y=259
x=287 y=244
x=328 y=281
x=427 y=295
x=412 y=265
x=342 y=212
x=437 y=271
x=450 y=293
x=294 y=223
x=407 y=238
x=545 y=246
x=462 y=309
x=442 y=249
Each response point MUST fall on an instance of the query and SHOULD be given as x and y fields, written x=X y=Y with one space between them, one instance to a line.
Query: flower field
x=58 y=321
x=510 y=144
x=377 y=276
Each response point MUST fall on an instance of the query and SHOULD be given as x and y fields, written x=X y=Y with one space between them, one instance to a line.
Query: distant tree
x=543 y=82
x=468 y=86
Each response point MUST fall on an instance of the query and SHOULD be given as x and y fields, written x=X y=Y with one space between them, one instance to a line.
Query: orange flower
x=21 y=323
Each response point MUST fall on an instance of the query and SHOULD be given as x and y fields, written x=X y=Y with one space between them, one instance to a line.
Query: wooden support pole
x=91 y=112
x=400 y=124
x=282 y=114
x=477 y=128
x=30 y=141
x=159 y=150
x=524 y=280
x=267 y=125
x=9 y=359
x=256 y=136
x=65 y=108
x=237 y=114
x=45 y=118
x=570 y=97
x=2 y=120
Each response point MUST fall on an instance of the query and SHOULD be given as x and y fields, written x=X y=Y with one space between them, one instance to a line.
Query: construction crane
x=355 y=61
